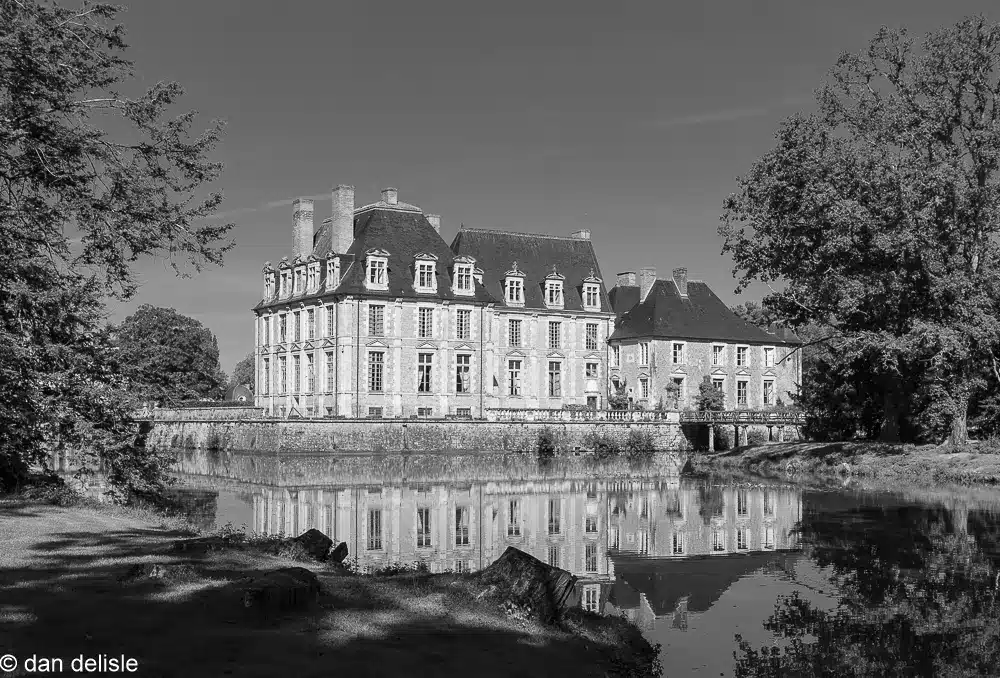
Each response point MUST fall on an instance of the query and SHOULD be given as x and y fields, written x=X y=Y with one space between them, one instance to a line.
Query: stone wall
x=242 y=429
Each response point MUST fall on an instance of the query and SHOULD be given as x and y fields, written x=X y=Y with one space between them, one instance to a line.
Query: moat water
x=731 y=577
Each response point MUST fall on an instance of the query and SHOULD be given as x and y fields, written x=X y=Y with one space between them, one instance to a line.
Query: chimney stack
x=681 y=280
x=582 y=234
x=302 y=227
x=435 y=221
x=390 y=195
x=647 y=276
x=342 y=220
x=626 y=279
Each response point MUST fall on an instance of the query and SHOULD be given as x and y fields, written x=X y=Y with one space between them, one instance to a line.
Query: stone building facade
x=376 y=316
x=677 y=331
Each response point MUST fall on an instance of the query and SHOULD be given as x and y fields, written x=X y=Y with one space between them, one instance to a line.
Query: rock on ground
x=314 y=543
x=531 y=586
x=284 y=589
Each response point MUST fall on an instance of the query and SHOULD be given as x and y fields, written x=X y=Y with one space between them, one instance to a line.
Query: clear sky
x=632 y=119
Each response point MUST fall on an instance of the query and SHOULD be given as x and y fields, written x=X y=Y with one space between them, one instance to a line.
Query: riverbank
x=63 y=596
x=879 y=462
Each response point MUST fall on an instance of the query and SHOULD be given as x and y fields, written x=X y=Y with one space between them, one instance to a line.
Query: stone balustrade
x=524 y=414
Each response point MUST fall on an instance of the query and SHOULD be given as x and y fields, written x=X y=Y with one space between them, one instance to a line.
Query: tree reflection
x=917 y=596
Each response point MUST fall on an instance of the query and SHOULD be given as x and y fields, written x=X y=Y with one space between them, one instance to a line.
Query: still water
x=841 y=582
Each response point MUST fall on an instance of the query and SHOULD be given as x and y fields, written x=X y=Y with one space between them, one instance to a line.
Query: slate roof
x=403 y=233
x=623 y=297
x=702 y=316
x=496 y=251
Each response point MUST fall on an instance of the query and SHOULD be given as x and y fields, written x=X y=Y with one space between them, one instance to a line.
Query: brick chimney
x=302 y=227
x=390 y=195
x=435 y=221
x=342 y=220
x=681 y=280
x=647 y=276
x=626 y=279
x=582 y=234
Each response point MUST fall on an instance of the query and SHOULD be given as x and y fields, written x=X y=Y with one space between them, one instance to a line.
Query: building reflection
x=648 y=549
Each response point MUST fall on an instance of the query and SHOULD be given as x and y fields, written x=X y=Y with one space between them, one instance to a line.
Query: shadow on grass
x=63 y=598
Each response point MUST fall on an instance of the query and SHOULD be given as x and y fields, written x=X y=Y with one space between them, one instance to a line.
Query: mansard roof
x=701 y=316
x=404 y=234
x=623 y=297
x=496 y=252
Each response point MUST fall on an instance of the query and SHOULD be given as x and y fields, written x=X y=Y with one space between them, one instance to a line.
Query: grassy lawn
x=60 y=597
x=926 y=464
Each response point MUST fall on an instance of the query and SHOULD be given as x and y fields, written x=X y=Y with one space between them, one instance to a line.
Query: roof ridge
x=522 y=233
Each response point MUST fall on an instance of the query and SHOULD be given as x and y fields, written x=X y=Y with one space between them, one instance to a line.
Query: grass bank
x=879 y=462
x=61 y=596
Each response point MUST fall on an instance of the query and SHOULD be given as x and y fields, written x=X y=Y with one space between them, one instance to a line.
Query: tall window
x=555 y=379
x=644 y=353
x=768 y=356
x=742 y=353
x=423 y=527
x=677 y=544
x=331 y=367
x=331 y=317
x=263 y=332
x=376 y=273
x=310 y=373
x=283 y=328
x=554 y=555
x=375 y=530
x=298 y=280
x=425 y=274
x=297 y=375
x=768 y=392
x=718 y=541
x=461 y=526
x=463 y=278
x=376 y=367
x=515 y=291
x=616 y=356
x=283 y=375
x=591 y=371
x=592 y=598
x=555 y=334
x=741 y=392
x=718 y=355
x=768 y=504
x=591 y=336
x=555 y=517
x=590 y=524
x=424 y=363
x=678 y=353
x=742 y=543
x=768 y=537
x=463 y=325
x=265 y=376
x=425 y=323
x=643 y=546
x=554 y=292
x=514 y=377
x=297 y=329
x=376 y=320
x=591 y=296
x=643 y=387
x=462 y=373
x=742 y=503
x=514 y=332
x=590 y=557
x=514 y=518
x=311 y=324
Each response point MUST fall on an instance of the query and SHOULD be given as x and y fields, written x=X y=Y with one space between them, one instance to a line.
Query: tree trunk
x=959 y=424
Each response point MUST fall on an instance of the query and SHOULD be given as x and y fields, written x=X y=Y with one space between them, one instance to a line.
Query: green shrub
x=603 y=446
x=756 y=437
x=546 y=446
x=639 y=446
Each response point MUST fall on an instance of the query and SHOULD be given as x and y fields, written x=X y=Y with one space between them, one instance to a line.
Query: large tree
x=91 y=180
x=169 y=357
x=877 y=215
x=244 y=373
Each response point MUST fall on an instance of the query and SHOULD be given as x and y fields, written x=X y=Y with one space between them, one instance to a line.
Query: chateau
x=375 y=315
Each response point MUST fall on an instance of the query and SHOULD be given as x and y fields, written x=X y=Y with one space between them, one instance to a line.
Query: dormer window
x=268 y=273
x=554 y=289
x=286 y=280
x=464 y=272
x=377 y=266
x=592 y=292
x=300 y=279
x=332 y=272
x=514 y=287
x=312 y=276
x=425 y=274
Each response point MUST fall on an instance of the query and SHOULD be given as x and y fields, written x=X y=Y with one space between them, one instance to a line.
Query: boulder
x=338 y=554
x=205 y=544
x=281 y=590
x=314 y=543
x=529 y=584
x=157 y=572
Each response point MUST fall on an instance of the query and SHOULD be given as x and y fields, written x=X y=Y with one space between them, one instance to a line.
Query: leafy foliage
x=639 y=447
x=878 y=213
x=710 y=399
x=244 y=373
x=78 y=206
x=169 y=357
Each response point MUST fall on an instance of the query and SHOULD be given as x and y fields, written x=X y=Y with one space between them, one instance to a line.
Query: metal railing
x=767 y=417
